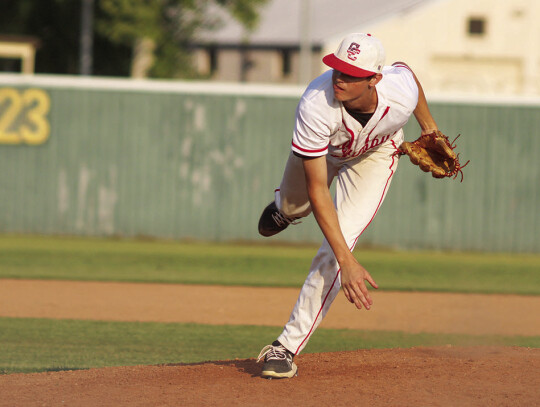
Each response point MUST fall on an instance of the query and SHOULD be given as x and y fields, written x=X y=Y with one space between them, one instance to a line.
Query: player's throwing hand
x=354 y=287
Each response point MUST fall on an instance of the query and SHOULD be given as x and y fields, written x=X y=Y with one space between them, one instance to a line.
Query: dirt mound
x=442 y=376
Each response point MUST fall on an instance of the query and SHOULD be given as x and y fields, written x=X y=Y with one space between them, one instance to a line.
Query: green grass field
x=33 y=345
x=258 y=265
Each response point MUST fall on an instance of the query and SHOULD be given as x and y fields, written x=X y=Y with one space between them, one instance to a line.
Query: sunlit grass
x=84 y=259
x=35 y=345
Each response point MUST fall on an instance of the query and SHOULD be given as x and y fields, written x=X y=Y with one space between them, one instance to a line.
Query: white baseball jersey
x=323 y=125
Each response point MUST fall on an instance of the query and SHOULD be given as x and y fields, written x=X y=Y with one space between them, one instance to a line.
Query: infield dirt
x=441 y=376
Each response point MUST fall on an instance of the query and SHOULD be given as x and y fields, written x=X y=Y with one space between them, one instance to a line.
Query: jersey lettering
x=346 y=151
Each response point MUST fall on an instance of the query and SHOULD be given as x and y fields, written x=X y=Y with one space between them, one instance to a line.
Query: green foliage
x=126 y=20
x=258 y=265
x=35 y=345
x=118 y=24
x=55 y=23
x=171 y=25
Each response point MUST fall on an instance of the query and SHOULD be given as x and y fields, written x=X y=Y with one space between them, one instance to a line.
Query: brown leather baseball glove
x=434 y=153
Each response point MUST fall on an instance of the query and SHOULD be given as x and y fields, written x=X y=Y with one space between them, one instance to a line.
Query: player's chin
x=340 y=96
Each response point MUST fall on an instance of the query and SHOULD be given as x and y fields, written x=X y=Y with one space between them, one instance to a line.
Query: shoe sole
x=269 y=374
x=266 y=233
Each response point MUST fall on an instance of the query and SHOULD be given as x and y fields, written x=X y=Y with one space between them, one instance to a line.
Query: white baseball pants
x=362 y=184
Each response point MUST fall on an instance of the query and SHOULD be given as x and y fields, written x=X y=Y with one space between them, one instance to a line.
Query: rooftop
x=282 y=21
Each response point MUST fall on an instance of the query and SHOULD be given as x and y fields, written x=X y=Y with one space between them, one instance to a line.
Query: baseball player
x=348 y=127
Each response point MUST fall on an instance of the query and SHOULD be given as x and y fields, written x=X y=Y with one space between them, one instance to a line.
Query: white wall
x=435 y=42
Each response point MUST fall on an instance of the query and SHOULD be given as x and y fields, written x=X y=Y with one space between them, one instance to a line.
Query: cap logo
x=354 y=49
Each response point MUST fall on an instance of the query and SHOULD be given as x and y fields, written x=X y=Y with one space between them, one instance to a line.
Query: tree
x=159 y=32
x=50 y=21
x=143 y=37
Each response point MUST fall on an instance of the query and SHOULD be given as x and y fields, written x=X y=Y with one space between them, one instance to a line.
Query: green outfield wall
x=103 y=157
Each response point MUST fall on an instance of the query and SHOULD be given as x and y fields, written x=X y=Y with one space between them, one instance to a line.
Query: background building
x=487 y=47
x=18 y=53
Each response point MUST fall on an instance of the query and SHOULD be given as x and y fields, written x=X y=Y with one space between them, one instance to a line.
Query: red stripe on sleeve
x=402 y=66
x=305 y=150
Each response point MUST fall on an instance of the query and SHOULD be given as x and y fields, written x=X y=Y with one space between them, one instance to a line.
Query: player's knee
x=294 y=210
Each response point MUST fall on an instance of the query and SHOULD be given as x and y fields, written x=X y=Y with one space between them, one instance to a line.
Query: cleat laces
x=283 y=220
x=272 y=352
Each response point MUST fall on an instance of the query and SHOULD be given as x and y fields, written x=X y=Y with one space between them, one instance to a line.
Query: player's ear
x=375 y=79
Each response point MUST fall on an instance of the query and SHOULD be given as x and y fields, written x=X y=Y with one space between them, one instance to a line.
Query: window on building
x=477 y=26
x=10 y=65
x=212 y=60
x=286 y=63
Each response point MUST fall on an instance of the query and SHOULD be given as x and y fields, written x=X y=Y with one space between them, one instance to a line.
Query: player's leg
x=291 y=199
x=361 y=187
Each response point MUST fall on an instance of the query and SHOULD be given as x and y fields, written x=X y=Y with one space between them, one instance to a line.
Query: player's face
x=349 y=88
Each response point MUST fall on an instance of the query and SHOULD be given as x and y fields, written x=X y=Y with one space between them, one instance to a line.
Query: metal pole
x=304 y=75
x=87 y=38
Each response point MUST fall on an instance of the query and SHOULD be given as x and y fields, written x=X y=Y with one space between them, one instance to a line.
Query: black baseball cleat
x=272 y=221
x=278 y=362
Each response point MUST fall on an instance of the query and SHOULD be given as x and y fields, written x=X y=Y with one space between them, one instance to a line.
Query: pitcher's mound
x=442 y=376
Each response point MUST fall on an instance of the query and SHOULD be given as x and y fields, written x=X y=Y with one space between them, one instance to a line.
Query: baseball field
x=111 y=322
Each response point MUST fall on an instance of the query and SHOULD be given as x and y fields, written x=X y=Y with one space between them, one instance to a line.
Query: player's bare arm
x=421 y=113
x=353 y=274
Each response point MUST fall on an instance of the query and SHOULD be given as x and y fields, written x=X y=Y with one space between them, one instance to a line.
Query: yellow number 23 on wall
x=23 y=116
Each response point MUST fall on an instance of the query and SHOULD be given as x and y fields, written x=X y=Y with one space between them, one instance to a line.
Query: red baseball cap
x=358 y=55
